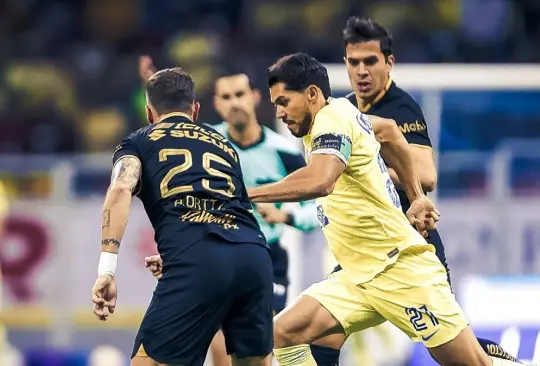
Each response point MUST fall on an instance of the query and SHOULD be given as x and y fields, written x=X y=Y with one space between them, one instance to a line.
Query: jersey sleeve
x=412 y=124
x=127 y=147
x=332 y=134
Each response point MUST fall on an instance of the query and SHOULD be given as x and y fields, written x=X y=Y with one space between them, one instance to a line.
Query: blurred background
x=70 y=90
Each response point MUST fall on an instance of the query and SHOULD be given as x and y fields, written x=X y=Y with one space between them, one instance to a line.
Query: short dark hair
x=171 y=90
x=359 y=30
x=297 y=72
x=227 y=69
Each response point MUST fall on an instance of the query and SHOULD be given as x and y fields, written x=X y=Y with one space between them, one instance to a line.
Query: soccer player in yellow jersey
x=389 y=270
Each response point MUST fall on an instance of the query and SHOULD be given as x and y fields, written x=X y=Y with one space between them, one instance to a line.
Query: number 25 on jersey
x=207 y=159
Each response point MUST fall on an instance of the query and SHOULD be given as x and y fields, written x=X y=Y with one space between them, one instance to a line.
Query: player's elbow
x=119 y=189
x=429 y=182
x=323 y=188
x=386 y=130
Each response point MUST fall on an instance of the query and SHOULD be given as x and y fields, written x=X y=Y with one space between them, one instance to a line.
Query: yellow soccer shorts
x=412 y=293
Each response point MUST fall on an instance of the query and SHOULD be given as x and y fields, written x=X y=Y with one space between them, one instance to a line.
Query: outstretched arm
x=317 y=179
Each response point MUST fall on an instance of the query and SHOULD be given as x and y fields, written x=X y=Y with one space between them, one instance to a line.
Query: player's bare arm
x=425 y=162
x=397 y=153
x=316 y=180
x=146 y=68
x=115 y=213
x=124 y=180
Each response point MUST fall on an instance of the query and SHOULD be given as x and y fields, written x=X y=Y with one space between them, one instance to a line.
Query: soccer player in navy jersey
x=190 y=182
x=369 y=60
x=236 y=101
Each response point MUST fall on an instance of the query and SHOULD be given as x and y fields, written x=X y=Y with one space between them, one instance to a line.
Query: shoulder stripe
x=334 y=152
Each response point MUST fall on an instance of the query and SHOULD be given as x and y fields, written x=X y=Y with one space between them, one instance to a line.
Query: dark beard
x=305 y=125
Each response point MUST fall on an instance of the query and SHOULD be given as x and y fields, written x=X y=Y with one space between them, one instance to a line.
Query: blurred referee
x=369 y=60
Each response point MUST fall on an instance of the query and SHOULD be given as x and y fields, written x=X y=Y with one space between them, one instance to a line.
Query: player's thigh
x=252 y=361
x=218 y=350
x=332 y=306
x=462 y=350
x=142 y=359
x=414 y=295
x=247 y=325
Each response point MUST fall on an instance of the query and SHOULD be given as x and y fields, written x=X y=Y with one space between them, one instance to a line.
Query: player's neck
x=365 y=103
x=246 y=135
x=362 y=103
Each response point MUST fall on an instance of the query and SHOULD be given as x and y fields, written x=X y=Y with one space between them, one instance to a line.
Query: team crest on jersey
x=323 y=220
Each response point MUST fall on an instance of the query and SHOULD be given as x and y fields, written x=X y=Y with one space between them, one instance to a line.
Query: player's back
x=191 y=185
x=362 y=218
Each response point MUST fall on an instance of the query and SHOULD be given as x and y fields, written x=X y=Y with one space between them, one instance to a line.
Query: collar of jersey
x=247 y=147
x=378 y=97
x=175 y=115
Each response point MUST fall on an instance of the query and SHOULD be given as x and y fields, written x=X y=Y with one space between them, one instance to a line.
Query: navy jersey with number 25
x=191 y=185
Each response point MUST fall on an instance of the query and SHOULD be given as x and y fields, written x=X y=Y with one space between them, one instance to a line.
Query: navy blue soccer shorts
x=216 y=285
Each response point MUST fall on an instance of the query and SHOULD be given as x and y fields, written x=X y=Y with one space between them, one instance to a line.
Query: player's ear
x=256 y=96
x=215 y=102
x=196 y=108
x=149 y=115
x=390 y=63
x=345 y=60
x=312 y=93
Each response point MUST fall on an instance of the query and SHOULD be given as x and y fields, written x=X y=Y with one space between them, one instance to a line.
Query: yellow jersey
x=362 y=218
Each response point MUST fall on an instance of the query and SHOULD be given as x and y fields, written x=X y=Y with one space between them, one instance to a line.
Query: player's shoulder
x=279 y=142
x=338 y=112
x=401 y=106
x=133 y=138
x=339 y=109
x=141 y=132
x=221 y=128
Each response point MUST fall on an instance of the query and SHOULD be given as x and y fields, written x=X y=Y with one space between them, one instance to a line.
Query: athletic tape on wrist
x=107 y=263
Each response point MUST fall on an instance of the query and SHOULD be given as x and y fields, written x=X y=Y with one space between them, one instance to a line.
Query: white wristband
x=107 y=263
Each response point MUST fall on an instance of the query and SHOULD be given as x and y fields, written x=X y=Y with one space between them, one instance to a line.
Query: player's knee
x=143 y=361
x=286 y=334
x=462 y=350
x=252 y=361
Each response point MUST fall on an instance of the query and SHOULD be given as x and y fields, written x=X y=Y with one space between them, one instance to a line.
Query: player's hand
x=155 y=265
x=423 y=215
x=104 y=296
x=146 y=68
x=271 y=214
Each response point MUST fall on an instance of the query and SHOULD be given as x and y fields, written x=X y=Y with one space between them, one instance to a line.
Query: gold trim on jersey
x=175 y=114
x=365 y=108
x=141 y=352
x=422 y=146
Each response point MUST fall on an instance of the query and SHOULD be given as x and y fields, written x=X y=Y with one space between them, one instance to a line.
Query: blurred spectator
x=62 y=60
